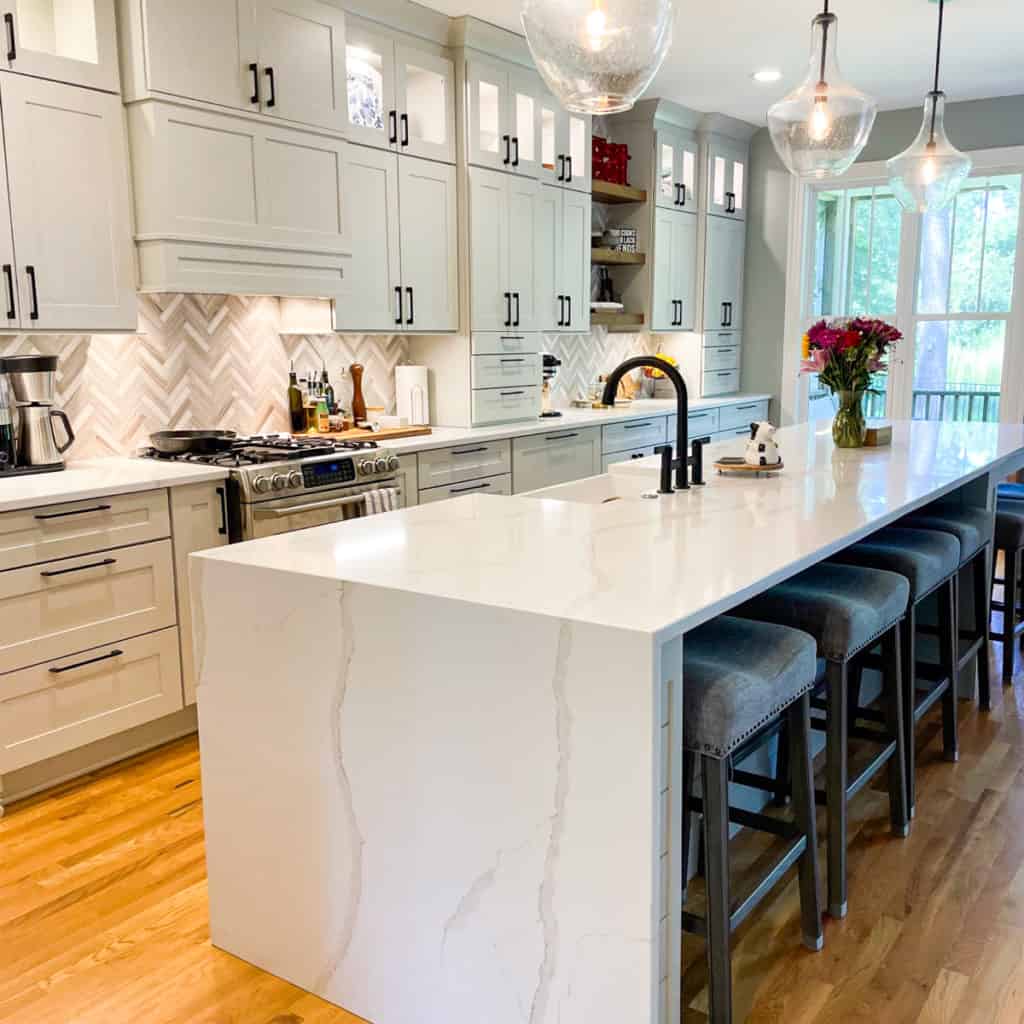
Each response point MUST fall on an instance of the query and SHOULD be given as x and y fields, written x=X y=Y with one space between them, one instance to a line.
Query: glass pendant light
x=598 y=56
x=928 y=175
x=821 y=127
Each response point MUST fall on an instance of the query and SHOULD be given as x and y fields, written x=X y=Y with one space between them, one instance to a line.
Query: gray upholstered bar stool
x=849 y=610
x=739 y=678
x=930 y=561
x=973 y=528
x=1009 y=539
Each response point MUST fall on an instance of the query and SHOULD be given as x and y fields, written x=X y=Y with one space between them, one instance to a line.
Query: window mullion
x=984 y=241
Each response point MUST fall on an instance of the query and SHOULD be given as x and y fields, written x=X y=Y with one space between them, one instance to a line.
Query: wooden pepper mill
x=358 y=402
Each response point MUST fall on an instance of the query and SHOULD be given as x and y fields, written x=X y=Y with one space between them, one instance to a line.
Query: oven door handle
x=313 y=506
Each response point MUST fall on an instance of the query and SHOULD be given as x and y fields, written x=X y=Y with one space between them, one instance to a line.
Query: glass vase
x=848 y=427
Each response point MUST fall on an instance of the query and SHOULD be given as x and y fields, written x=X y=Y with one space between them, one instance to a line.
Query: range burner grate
x=260 y=448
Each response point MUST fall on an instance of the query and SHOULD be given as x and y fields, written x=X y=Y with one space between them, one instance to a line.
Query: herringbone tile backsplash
x=222 y=361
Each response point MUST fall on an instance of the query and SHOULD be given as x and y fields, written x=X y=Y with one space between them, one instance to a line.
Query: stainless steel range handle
x=313 y=506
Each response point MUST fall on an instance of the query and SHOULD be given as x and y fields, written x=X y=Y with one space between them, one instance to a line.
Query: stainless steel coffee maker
x=33 y=385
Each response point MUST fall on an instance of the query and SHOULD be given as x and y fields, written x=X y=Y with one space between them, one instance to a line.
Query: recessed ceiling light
x=766 y=75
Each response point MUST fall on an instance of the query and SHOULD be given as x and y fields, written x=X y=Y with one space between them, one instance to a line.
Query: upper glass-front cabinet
x=504 y=117
x=565 y=146
x=72 y=41
x=726 y=174
x=400 y=93
x=676 y=169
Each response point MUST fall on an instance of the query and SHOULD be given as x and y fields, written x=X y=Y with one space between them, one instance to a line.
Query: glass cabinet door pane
x=578 y=147
x=488 y=106
x=524 y=126
x=690 y=174
x=426 y=104
x=63 y=28
x=365 y=70
x=548 y=137
x=737 y=183
x=666 y=170
x=718 y=183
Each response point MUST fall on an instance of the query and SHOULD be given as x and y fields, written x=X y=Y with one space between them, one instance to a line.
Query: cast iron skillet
x=197 y=442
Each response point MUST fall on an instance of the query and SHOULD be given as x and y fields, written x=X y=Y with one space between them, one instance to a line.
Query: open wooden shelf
x=617 y=321
x=616 y=258
x=606 y=192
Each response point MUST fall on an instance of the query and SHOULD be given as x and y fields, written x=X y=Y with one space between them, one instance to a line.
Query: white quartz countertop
x=94 y=478
x=653 y=566
x=638 y=410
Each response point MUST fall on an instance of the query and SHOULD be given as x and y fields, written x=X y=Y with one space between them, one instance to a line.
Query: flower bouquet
x=662 y=386
x=844 y=354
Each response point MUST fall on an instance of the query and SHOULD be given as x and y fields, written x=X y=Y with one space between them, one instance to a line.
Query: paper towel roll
x=411 y=391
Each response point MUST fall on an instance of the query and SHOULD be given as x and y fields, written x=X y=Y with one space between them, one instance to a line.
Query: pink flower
x=816 y=362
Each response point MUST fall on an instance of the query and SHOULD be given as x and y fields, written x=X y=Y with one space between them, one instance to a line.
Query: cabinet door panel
x=684 y=268
x=64 y=42
x=548 y=260
x=545 y=460
x=487 y=106
x=371 y=194
x=68 y=174
x=524 y=121
x=488 y=227
x=370 y=86
x=575 y=259
x=664 y=311
x=302 y=51
x=522 y=245
x=723 y=273
x=576 y=128
x=550 y=138
x=429 y=244
x=201 y=49
x=426 y=103
x=10 y=309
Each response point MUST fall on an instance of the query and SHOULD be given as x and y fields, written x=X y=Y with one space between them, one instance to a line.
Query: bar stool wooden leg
x=1011 y=576
x=836 y=774
x=782 y=766
x=716 y=858
x=893 y=691
x=799 y=730
x=982 y=624
x=948 y=661
x=689 y=765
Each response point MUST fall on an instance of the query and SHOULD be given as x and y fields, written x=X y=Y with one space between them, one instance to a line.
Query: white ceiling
x=886 y=47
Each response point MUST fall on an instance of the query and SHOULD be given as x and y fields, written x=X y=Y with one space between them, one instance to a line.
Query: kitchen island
x=440 y=747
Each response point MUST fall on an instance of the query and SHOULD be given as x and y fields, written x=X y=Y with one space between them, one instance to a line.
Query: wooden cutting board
x=384 y=434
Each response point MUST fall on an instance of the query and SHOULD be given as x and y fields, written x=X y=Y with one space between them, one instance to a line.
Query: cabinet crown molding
x=471 y=33
x=727 y=127
x=664 y=111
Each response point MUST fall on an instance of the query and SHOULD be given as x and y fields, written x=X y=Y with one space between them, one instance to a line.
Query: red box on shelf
x=610 y=161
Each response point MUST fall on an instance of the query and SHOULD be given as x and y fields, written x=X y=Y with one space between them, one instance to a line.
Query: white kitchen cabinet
x=504 y=110
x=501 y=485
x=565 y=145
x=524 y=88
x=67 y=171
x=723 y=274
x=720 y=382
x=726 y=174
x=620 y=437
x=502 y=251
x=400 y=92
x=676 y=156
x=494 y=371
x=407 y=480
x=199 y=522
x=504 y=405
x=674 y=284
x=543 y=460
x=562 y=260
x=741 y=415
x=474 y=460
x=67 y=42
x=612 y=458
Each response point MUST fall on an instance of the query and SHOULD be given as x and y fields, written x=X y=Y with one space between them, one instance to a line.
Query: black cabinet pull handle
x=510 y=359
x=88 y=661
x=392 y=127
x=9 y=276
x=78 y=568
x=560 y=437
x=401 y=315
x=682 y=194
x=73 y=512
x=636 y=426
x=255 y=69
x=12 y=50
x=728 y=307
x=405 y=129
x=272 y=102
x=223 y=528
x=507 y=141
x=469 y=451
x=472 y=487
x=510 y=394
x=568 y=162
x=508 y=308
x=34 y=313
x=568 y=306
x=561 y=310
x=515 y=322
x=412 y=308
x=725 y=314
x=561 y=168
x=726 y=373
x=515 y=150
x=675 y=201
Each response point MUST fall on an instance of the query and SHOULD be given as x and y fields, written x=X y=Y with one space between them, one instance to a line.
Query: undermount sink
x=600 y=490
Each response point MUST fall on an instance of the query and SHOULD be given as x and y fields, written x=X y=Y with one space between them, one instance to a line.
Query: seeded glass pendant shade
x=928 y=175
x=820 y=128
x=598 y=56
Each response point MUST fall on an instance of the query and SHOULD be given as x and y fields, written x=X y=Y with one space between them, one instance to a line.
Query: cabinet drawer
x=720 y=339
x=504 y=344
x=57 y=608
x=507 y=371
x=544 y=460
x=492 y=485
x=36 y=535
x=721 y=382
x=704 y=421
x=733 y=432
x=464 y=462
x=505 y=405
x=722 y=358
x=620 y=437
x=52 y=708
x=633 y=453
x=744 y=414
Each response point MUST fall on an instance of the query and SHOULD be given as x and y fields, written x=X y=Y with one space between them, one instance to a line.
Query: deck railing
x=978 y=403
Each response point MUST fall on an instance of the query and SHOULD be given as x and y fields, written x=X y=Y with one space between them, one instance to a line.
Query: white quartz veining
x=654 y=566
x=94 y=478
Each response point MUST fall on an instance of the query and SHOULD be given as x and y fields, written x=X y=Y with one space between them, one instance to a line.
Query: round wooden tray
x=737 y=465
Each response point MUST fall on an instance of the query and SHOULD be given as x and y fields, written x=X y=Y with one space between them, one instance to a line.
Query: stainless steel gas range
x=278 y=484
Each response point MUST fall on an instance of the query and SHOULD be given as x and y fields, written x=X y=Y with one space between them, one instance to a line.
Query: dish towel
x=384 y=499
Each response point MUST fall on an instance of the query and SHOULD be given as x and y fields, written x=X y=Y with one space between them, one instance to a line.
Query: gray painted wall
x=975 y=124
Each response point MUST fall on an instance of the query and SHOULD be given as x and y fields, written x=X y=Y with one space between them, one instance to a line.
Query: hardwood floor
x=103 y=911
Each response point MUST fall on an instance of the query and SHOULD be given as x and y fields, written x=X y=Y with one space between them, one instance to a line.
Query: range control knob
x=294 y=478
x=393 y=462
x=366 y=467
x=279 y=481
x=261 y=484
x=380 y=465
